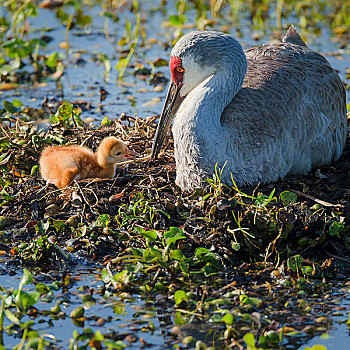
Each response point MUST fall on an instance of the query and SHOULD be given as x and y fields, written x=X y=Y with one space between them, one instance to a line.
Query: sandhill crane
x=265 y=112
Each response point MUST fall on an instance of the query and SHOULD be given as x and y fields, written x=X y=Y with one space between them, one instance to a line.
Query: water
x=338 y=337
x=82 y=81
x=131 y=316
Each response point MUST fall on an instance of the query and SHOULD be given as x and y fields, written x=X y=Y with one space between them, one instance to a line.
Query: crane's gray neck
x=215 y=66
x=197 y=129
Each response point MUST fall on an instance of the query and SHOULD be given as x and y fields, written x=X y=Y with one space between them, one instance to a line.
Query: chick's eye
x=119 y=153
x=180 y=69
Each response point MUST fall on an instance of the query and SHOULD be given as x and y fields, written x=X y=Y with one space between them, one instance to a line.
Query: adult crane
x=260 y=114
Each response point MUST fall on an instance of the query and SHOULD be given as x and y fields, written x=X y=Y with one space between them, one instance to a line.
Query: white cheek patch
x=194 y=74
x=195 y=94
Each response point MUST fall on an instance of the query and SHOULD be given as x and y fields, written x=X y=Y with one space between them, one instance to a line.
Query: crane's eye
x=119 y=153
x=180 y=69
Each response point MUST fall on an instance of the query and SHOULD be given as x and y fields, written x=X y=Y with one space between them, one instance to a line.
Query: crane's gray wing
x=291 y=100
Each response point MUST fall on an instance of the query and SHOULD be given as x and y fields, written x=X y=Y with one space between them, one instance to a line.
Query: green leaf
x=316 y=347
x=261 y=200
x=173 y=232
x=160 y=63
x=26 y=299
x=103 y=220
x=184 y=266
x=105 y=121
x=179 y=319
x=17 y=103
x=209 y=258
x=152 y=253
x=250 y=341
x=4 y=194
x=139 y=252
x=288 y=197
x=228 y=318
x=177 y=20
x=177 y=254
x=11 y=316
x=64 y=112
x=98 y=336
x=173 y=235
x=59 y=225
x=26 y=278
x=336 y=228
x=105 y=276
x=245 y=300
x=88 y=301
x=9 y=107
x=180 y=296
x=295 y=262
x=236 y=246
x=77 y=312
x=121 y=63
x=122 y=277
x=201 y=251
x=150 y=235
x=34 y=170
x=51 y=61
x=133 y=268
x=42 y=288
x=307 y=270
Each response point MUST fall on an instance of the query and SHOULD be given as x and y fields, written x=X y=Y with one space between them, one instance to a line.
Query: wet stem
x=18 y=21
x=24 y=337
x=69 y=23
x=215 y=6
x=135 y=34
x=279 y=10
x=2 y=322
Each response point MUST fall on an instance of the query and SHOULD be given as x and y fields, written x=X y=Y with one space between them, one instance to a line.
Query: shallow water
x=127 y=322
x=83 y=81
x=339 y=335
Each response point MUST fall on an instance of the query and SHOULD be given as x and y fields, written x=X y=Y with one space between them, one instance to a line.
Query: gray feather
x=288 y=117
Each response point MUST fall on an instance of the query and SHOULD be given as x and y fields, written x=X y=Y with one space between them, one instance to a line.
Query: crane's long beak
x=172 y=103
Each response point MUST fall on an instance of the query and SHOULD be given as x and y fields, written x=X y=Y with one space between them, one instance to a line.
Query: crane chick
x=61 y=165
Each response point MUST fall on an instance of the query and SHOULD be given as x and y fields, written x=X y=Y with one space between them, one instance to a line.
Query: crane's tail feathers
x=293 y=37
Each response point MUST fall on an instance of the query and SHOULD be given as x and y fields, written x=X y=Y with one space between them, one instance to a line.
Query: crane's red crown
x=176 y=69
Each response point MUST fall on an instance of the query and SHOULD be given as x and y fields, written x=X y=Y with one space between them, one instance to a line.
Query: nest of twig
x=226 y=221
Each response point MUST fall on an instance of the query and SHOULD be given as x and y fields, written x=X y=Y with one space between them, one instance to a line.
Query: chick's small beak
x=172 y=103
x=130 y=154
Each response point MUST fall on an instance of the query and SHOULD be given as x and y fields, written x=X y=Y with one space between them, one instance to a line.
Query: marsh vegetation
x=132 y=262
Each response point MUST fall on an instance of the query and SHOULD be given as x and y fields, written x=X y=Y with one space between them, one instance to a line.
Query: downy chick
x=61 y=165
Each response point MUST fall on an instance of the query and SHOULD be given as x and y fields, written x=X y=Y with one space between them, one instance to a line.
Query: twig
x=338 y=257
x=319 y=201
x=86 y=140
x=85 y=200
x=108 y=37
x=136 y=160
